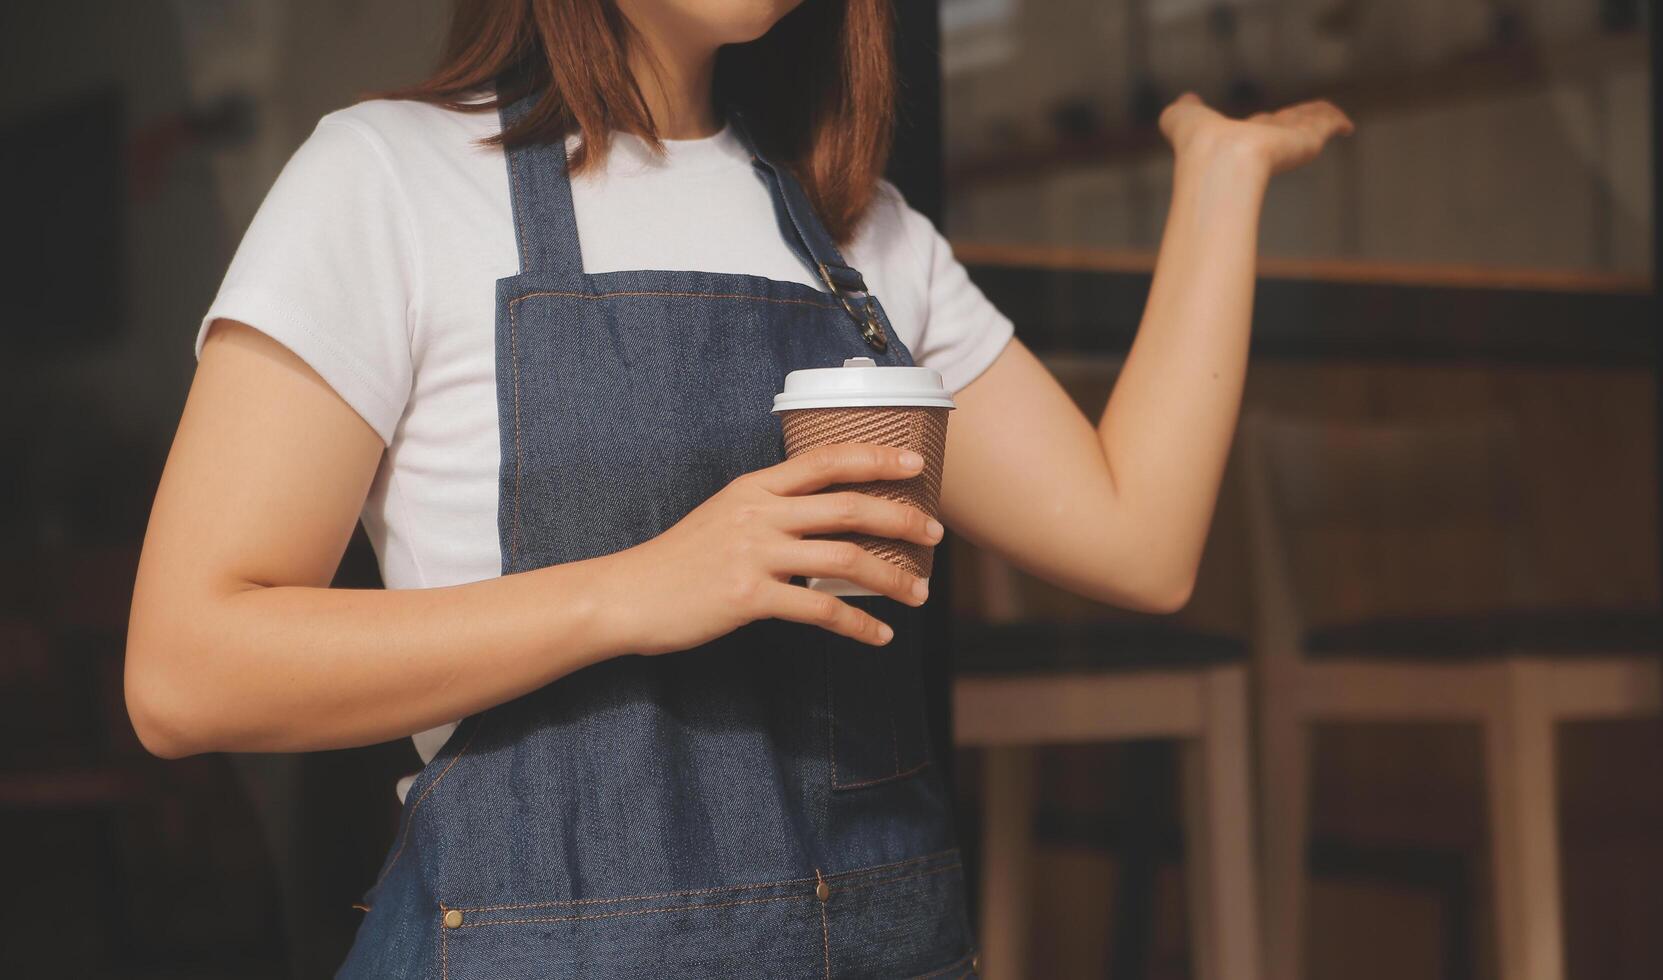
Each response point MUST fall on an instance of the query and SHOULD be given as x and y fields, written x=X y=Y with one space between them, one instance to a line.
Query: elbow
x=1158 y=596
x=156 y=706
x=1169 y=596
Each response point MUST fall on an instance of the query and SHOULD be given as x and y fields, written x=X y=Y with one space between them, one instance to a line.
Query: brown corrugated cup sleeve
x=923 y=430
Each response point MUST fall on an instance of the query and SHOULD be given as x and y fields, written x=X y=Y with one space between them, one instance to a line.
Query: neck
x=677 y=81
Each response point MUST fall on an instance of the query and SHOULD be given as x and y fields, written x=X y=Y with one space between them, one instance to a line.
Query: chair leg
x=1524 y=827
x=1285 y=769
x=1138 y=860
x=1007 y=860
x=1218 y=828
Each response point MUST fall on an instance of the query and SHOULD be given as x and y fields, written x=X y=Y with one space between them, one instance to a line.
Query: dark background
x=136 y=139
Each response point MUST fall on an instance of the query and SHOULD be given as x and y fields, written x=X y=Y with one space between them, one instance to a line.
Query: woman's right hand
x=730 y=560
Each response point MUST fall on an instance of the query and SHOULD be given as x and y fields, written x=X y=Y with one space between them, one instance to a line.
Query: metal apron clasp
x=866 y=317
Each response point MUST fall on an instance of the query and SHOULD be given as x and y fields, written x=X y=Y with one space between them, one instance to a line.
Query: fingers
x=852 y=563
x=800 y=605
x=1341 y=123
x=844 y=462
x=1320 y=116
x=849 y=510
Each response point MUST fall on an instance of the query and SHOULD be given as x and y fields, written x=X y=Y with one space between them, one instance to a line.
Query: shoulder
x=409 y=134
x=892 y=233
x=889 y=213
x=410 y=122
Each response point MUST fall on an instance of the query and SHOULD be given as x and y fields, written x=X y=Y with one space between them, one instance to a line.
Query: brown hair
x=818 y=89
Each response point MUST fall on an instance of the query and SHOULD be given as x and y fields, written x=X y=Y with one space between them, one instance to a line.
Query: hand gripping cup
x=905 y=407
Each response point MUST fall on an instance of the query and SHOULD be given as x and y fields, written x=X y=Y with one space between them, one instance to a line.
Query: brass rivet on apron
x=822 y=891
x=453 y=918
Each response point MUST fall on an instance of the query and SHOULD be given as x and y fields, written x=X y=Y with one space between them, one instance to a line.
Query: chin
x=727 y=21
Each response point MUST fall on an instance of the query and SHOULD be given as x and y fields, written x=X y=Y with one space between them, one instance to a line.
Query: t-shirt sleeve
x=963 y=332
x=327 y=269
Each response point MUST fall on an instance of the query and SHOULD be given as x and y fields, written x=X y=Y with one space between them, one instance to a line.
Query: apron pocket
x=907 y=920
x=875 y=700
x=753 y=933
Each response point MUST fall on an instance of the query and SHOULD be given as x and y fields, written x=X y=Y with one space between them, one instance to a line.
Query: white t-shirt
x=375 y=257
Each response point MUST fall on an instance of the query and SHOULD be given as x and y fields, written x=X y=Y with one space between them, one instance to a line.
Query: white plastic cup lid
x=861 y=383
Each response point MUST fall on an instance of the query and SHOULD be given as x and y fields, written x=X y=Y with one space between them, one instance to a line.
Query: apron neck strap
x=809 y=238
x=540 y=191
x=812 y=243
x=545 y=223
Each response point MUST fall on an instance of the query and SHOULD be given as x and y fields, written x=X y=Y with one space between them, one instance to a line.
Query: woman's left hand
x=1280 y=140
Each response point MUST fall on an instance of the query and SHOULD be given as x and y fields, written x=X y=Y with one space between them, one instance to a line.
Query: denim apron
x=764 y=805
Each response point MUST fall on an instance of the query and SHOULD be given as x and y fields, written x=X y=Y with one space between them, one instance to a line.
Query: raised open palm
x=1282 y=140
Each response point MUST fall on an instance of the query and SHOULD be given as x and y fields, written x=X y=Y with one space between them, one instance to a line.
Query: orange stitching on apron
x=881 y=779
x=825 y=929
x=617 y=915
x=690 y=893
x=410 y=818
x=514 y=353
x=572 y=902
x=574 y=294
x=519 y=451
x=831 y=741
x=519 y=230
x=825 y=924
x=961 y=961
x=889 y=881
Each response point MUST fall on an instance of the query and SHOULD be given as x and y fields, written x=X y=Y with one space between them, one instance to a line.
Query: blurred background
x=1408 y=724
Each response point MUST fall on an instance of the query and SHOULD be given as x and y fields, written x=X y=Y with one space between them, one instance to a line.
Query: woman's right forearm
x=287 y=669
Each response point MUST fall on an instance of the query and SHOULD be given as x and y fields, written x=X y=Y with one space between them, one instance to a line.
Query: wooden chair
x=1022 y=683
x=1437 y=501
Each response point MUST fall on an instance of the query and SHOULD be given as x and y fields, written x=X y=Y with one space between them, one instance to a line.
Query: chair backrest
x=1426 y=513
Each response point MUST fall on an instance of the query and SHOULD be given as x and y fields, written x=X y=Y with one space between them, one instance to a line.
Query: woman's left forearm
x=1167 y=428
x=1119 y=512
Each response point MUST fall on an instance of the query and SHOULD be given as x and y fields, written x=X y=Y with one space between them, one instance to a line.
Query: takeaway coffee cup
x=904 y=407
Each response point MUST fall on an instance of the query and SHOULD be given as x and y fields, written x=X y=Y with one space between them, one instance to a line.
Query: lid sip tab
x=861 y=383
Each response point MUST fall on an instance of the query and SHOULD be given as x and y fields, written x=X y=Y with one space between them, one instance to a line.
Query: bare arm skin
x=1119 y=511
x=236 y=643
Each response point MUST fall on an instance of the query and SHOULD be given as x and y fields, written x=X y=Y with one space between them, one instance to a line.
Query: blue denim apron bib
x=763 y=805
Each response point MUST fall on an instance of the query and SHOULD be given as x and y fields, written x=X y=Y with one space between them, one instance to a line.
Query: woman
x=525 y=320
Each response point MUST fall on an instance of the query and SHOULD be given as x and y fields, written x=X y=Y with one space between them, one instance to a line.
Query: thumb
x=1177 y=108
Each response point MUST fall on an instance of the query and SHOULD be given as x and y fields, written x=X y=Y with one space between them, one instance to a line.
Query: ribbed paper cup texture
x=923 y=430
